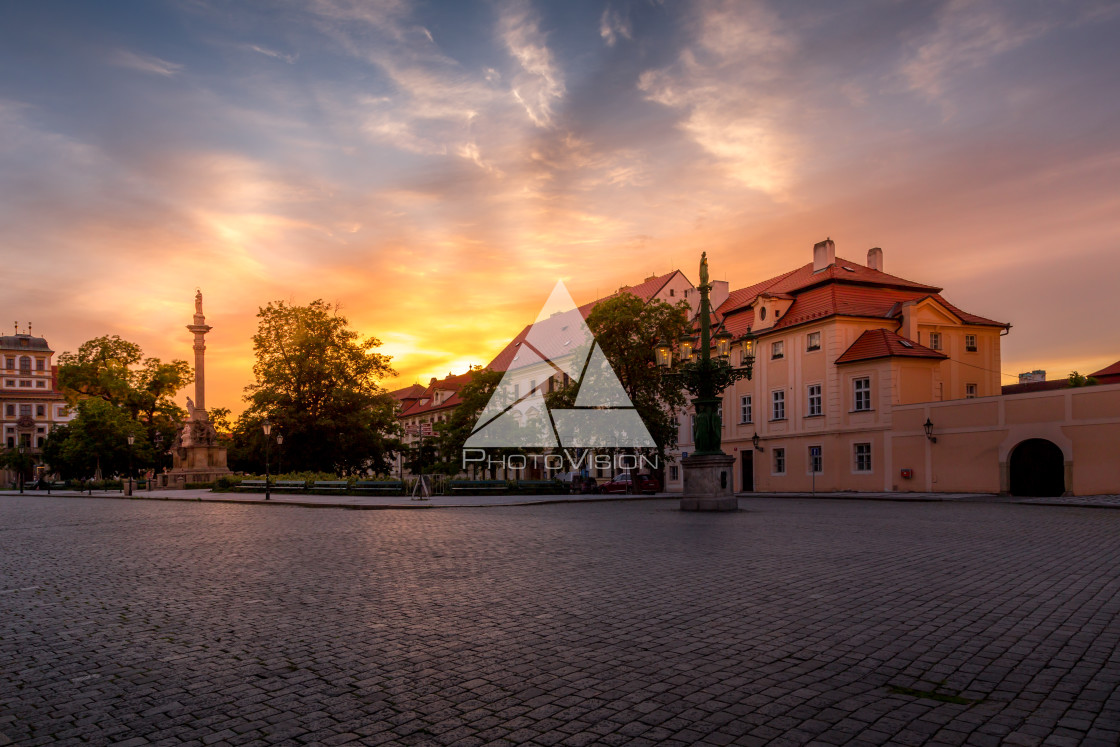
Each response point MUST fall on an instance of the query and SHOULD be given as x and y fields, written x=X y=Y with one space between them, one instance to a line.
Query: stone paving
x=794 y=622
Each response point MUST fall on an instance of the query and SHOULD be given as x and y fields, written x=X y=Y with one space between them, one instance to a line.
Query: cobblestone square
x=793 y=622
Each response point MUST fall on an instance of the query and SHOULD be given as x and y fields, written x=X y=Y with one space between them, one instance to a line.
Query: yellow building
x=839 y=345
x=30 y=403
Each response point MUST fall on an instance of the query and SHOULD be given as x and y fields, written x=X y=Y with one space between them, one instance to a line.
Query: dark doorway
x=1037 y=469
x=747 y=459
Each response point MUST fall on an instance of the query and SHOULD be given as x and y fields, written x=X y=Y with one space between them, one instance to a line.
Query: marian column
x=199 y=329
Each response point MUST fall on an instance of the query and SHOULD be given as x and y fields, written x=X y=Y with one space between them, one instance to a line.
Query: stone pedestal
x=708 y=483
x=197 y=454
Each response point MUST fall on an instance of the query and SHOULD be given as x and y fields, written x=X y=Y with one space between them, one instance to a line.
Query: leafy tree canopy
x=317 y=381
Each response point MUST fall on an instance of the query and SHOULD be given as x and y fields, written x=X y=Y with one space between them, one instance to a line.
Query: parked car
x=629 y=482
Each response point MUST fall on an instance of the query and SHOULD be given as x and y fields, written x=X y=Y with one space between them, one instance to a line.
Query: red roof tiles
x=882 y=343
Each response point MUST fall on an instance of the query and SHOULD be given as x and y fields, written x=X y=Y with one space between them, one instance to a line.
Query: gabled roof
x=409 y=392
x=1113 y=370
x=882 y=343
x=645 y=291
x=425 y=402
x=842 y=289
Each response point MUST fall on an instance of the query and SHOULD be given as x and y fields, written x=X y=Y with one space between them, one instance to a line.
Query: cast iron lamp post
x=706 y=377
x=703 y=375
x=267 y=428
x=21 y=469
x=279 y=455
x=131 y=440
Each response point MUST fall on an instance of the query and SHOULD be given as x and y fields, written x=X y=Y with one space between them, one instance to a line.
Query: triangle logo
x=559 y=344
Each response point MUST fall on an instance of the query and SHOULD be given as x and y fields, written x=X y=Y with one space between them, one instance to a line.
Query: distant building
x=1032 y=376
x=1107 y=375
x=421 y=408
x=31 y=404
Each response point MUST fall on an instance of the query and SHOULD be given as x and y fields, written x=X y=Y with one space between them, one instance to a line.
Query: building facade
x=31 y=404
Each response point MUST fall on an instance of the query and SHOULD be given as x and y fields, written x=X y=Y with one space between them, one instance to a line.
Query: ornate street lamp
x=707 y=471
x=267 y=428
x=929 y=431
x=131 y=441
x=21 y=469
x=279 y=455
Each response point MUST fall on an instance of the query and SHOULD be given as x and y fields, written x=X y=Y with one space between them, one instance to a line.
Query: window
x=862 y=453
x=9 y=382
x=63 y=412
x=779 y=461
x=517 y=391
x=25 y=365
x=39 y=441
x=11 y=411
x=40 y=410
x=816 y=460
x=777 y=350
x=26 y=383
x=935 y=340
x=532 y=384
x=672 y=292
x=862 y=394
x=674 y=472
x=778 y=412
x=745 y=409
x=970 y=343
x=9 y=363
x=970 y=391
x=41 y=384
x=39 y=364
x=813 y=341
x=816 y=400
x=25 y=410
x=762 y=314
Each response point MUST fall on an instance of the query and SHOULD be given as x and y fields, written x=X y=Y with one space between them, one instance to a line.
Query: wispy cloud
x=539 y=84
x=724 y=84
x=144 y=63
x=614 y=24
x=288 y=58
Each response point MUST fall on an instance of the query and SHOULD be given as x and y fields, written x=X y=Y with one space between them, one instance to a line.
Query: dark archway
x=1037 y=469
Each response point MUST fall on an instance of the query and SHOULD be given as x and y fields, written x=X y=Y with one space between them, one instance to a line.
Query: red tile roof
x=882 y=343
x=645 y=290
x=409 y=392
x=842 y=289
x=1108 y=371
x=426 y=400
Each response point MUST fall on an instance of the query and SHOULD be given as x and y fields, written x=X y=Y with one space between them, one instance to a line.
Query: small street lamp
x=159 y=451
x=279 y=455
x=21 y=469
x=929 y=431
x=267 y=428
x=756 y=442
x=131 y=440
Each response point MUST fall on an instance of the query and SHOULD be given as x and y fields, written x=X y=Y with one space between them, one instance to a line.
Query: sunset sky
x=436 y=167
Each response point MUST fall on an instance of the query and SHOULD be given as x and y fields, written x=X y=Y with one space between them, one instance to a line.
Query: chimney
x=433 y=381
x=875 y=259
x=824 y=254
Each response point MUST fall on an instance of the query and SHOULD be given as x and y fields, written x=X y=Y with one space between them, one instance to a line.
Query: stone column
x=199 y=329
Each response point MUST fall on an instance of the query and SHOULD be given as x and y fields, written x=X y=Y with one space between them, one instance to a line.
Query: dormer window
x=762 y=314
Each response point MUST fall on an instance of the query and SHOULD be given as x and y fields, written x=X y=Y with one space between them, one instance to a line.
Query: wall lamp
x=755 y=441
x=929 y=431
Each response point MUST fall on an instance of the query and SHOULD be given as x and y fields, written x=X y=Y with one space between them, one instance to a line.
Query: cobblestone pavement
x=794 y=622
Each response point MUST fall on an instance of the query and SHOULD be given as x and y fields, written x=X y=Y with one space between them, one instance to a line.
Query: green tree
x=97 y=438
x=115 y=370
x=1076 y=379
x=453 y=432
x=627 y=329
x=317 y=380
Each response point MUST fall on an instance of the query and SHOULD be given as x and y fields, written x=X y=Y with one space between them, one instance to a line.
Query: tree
x=626 y=329
x=116 y=371
x=116 y=392
x=317 y=380
x=1076 y=380
x=454 y=432
x=97 y=439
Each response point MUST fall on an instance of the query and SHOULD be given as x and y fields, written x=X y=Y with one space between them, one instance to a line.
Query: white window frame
x=856 y=456
x=778 y=460
x=778 y=404
x=861 y=394
x=970 y=391
x=935 y=341
x=970 y=345
x=777 y=350
x=746 y=409
x=809 y=346
x=812 y=399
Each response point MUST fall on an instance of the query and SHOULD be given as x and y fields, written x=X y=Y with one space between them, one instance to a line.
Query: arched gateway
x=1037 y=468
